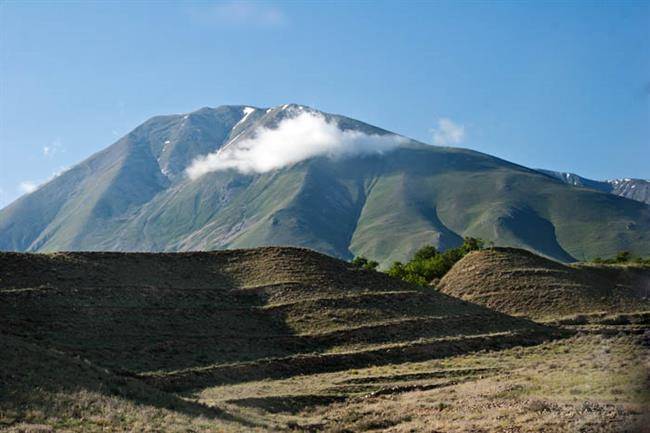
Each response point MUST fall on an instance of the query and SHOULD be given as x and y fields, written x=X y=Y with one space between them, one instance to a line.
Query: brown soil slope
x=37 y=383
x=182 y=319
x=284 y=339
x=518 y=282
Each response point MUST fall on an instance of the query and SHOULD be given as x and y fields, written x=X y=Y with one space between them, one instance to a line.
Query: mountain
x=635 y=189
x=136 y=196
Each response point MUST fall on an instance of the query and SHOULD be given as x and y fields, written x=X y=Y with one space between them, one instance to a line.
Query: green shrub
x=425 y=253
x=363 y=263
x=623 y=257
x=427 y=263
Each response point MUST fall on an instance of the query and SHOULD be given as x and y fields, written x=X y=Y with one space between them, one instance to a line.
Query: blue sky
x=558 y=85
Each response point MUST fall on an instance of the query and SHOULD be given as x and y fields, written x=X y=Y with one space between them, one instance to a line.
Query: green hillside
x=134 y=196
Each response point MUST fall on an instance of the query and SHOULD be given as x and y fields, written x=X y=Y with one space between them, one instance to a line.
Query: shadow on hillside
x=200 y=318
x=141 y=313
x=51 y=384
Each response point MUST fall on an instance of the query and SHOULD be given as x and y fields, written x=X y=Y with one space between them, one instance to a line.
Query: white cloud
x=245 y=13
x=53 y=148
x=295 y=139
x=448 y=132
x=58 y=172
x=27 y=186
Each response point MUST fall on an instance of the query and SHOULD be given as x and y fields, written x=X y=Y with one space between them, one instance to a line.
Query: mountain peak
x=634 y=189
x=383 y=203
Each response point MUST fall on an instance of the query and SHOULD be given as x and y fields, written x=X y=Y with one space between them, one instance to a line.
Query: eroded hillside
x=519 y=282
x=283 y=339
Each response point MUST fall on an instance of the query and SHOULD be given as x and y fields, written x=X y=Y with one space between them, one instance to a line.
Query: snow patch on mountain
x=247 y=112
x=304 y=136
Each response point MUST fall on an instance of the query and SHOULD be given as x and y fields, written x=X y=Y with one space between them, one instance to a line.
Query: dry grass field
x=285 y=339
x=521 y=283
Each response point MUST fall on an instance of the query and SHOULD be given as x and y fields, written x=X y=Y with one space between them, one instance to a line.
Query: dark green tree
x=363 y=263
x=623 y=257
x=425 y=253
x=428 y=263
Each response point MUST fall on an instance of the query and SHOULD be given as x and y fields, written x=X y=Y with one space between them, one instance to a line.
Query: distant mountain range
x=136 y=195
x=635 y=189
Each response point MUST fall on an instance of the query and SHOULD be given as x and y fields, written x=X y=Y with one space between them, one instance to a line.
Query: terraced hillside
x=43 y=390
x=519 y=282
x=278 y=339
x=182 y=321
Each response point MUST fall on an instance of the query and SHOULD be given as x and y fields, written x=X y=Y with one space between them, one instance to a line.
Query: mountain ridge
x=135 y=196
x=632 y=188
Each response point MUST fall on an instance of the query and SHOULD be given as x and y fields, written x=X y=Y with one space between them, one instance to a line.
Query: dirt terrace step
x=309 y=364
